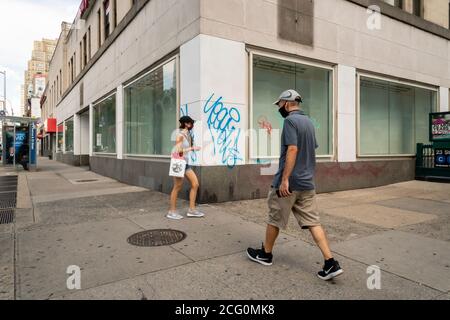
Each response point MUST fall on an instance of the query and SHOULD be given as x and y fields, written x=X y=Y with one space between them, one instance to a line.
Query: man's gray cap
x=289 y=95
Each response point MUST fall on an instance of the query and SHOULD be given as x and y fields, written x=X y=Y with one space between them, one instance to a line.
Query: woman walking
x=184 y=146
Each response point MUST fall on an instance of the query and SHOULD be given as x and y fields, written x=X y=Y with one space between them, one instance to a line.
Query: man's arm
x=291 y=159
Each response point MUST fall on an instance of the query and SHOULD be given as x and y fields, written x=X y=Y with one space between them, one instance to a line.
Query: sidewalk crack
x=31 y=200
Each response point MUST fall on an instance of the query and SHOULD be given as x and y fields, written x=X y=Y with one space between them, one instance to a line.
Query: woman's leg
x=190 y=175
x=177 y=185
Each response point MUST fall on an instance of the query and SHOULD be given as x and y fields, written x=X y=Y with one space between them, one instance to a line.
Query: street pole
x=4 y=89
x=4 y=108
x=14 y=146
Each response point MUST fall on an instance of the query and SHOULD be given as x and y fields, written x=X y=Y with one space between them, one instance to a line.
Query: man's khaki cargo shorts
x=302 y=203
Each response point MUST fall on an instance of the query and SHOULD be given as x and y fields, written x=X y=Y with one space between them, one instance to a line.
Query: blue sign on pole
x=33 y=144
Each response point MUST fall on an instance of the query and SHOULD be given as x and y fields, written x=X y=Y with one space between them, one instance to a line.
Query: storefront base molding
x=47 y=153
x=221 y=184
x=73 y=160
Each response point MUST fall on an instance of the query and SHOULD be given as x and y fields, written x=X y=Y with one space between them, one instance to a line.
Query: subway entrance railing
x=433 y=161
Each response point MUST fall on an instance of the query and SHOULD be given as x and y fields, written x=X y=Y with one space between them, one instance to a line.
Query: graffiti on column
x=184 y=110
x=223 y=124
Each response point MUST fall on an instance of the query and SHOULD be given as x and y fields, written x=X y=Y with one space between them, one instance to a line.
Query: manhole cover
x=156 y=238
x=6 y=216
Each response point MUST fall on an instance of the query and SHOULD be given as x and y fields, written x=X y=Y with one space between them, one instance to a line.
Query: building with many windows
x=436 y=11
x=128 y=70
x=35 y=77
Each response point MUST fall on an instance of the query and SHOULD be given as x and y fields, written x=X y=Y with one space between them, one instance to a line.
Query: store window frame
x=135 y=79
x=252 y=156
x=106 y=19
x=106 y=97
x=60 y=148
x=417 y=9
x=397 y=4
x=362 y=74
x=70 y=119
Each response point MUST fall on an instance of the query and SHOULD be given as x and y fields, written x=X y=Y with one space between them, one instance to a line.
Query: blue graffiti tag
x=184 y=110
x=222 y=123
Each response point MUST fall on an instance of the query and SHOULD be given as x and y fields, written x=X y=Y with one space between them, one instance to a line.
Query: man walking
x=293 y=188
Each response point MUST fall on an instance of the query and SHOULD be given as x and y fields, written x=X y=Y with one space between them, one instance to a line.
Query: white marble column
x=91 y=130
x=76 y=134
x=444 y=99
x=213 y=80
x=119 y=122
x=346 y=113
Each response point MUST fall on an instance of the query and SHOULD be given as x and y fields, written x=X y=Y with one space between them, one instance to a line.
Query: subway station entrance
x=19 y=142
x=433 y=160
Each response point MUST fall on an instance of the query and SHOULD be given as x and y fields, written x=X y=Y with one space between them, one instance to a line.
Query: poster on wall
x=16 y=145
x=99 y=139
x=39 y=86
x=440 y=126
x=442 y=158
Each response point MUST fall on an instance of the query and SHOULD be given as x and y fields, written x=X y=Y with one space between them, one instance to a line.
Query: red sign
x=50 y=125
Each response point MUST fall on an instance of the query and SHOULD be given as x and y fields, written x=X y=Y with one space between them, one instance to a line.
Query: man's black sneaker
x=260 y=256
x=330 y=271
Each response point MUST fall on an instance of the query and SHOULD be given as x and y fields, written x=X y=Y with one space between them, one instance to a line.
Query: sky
x=21 y=23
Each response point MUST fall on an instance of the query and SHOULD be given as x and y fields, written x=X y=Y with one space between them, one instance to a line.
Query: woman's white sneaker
x=174 y=216
x=195 y=214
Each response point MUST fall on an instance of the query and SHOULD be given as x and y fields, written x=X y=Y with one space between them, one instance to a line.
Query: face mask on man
x=284 y=113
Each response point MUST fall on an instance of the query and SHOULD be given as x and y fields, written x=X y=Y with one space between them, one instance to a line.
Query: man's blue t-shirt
x=298 y=130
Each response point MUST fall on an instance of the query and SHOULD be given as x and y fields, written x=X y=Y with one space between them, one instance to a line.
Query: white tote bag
x=177 y=167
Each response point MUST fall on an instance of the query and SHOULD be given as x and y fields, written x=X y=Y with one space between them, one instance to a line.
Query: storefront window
x=151 y=111
x=393 y=117
x=69 y=134
x=105 y=126
x=273 y=76
x=60 y=142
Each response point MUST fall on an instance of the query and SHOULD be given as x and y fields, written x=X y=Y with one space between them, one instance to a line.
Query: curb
x=23 y=193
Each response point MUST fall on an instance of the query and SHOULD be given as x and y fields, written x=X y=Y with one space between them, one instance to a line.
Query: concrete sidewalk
x=71 y=216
